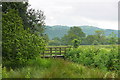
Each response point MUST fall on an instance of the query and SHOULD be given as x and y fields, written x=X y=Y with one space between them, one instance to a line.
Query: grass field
x=0 y=71
x=56 y=68
x=68 y=68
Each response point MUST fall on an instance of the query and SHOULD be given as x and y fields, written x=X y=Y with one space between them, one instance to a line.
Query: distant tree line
x=76 y=33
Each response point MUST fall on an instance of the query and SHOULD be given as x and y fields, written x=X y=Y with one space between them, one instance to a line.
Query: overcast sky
x=99 y=13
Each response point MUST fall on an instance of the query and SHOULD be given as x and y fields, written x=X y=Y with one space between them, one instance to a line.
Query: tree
x=21 y=7
x=118 y=41
x=55 y=41
x=65 y=40
x=76 y=43
x=112 y=38
x=36 y=21
x=90 y=39
x=45 y=37
x=56 y=38
x=18 y=45
x=76 y=31
x=31 y=19
x=95 y=42
x=73 y=33
x=100 y=36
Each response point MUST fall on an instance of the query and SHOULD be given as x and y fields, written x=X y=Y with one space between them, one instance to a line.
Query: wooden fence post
x=65 y=51
x=51 y=52
x=43 y=54
x=55 y=52
x=60 y=50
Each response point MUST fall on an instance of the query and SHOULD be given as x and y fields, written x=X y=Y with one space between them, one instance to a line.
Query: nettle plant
x=19 y=45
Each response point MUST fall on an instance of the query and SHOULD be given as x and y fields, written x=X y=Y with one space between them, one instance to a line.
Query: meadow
x=56 y=68
x=86 y=61
x=24 y=40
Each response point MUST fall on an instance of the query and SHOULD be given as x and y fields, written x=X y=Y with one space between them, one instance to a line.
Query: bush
x=76 y=43
x=103 y=58
x=40 y=63
x=18 y=44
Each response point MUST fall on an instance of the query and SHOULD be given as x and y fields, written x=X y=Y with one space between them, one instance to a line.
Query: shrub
x=76 y=43
x=18 y=44
x=103 y=58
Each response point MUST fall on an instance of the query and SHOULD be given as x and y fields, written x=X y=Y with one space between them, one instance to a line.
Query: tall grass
x=55 y=68
x=0 y=71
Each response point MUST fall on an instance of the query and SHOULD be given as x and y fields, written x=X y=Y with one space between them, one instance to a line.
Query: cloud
x=100 y=13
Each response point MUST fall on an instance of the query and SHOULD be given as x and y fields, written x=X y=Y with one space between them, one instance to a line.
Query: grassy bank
x=55 y=68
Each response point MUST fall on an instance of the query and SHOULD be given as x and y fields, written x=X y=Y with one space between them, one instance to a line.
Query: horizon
x=100 y=13
x=79 y=26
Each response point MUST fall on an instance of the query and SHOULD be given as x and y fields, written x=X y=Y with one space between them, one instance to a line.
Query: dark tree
x=20 y=7
x=36 y=21
x=31 y=19
x=73 y=33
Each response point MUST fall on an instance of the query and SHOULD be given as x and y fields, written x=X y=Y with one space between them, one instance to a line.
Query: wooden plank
x=60 y=53
x=46 y=56
x=62 y=56
x=52 y=56
x=58 y=47
x=54 y=50
x=54 y=53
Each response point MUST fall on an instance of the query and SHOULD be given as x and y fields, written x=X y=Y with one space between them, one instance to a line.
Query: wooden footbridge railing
x=54 y=52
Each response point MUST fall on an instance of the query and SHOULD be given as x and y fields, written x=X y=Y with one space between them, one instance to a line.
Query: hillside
x=60 y=31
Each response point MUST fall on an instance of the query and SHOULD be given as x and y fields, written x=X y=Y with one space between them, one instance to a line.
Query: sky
x=98 y=13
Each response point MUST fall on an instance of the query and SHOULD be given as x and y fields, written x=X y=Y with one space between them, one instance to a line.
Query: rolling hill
x=60 y=31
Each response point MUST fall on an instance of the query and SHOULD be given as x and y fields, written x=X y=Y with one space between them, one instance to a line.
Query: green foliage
x=95 y=42
x=103 y=58
x=45 y=37
x=76 y=31
x=0 y=71
x=36 y=21
x=60 y=31
x=118 y=41
x=92 y=34
x=18 y=6
x=55 y=42
x=112 y=38
x=100 y=36
x=90 y=39
x=73 y=33
x=55 y=68
x=39 y=62
x=18 y=44
x=31 y=19
x=76 y=43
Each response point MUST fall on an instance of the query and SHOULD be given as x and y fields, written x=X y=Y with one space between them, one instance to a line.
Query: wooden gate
x=54 y=52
